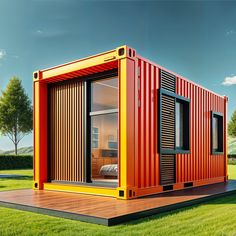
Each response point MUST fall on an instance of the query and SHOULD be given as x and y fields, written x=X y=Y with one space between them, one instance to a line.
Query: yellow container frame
x=125 y=57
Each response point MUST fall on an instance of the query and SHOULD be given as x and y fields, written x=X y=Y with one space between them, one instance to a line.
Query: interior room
x=104 y=130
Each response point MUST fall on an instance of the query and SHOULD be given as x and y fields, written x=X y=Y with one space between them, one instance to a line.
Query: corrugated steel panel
x=199 y=164
x=66 y=131
x=147 y=157
x=84 y=72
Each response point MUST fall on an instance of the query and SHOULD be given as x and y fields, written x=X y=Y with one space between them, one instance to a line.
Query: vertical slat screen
x=167 y=169
x=167 y=122
x=66 y=132
x=168 y=81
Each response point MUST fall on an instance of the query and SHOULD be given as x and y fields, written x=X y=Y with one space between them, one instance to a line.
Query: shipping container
x=119 y=125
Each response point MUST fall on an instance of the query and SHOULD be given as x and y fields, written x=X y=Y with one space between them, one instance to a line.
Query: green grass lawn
x=217 y=217
x=16 y=183
x=232 y=171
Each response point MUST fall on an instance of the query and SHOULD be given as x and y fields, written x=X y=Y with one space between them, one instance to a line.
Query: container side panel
x=156 y=126
x=200 y=163
x=147 y=125
x=198 y=166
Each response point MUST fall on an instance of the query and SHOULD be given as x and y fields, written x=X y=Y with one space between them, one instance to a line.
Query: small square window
x=217 y=133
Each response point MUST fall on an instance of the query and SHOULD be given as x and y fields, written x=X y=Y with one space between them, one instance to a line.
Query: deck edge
x=56 y=213
x=154 y=211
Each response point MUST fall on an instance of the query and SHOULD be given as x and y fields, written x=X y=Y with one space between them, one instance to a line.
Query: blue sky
x=196 y=39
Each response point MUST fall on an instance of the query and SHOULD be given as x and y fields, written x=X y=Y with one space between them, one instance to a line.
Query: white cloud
x=2 y=53
x=229 y=80
x=49 y=33
x=39 y=31
x=230 y=32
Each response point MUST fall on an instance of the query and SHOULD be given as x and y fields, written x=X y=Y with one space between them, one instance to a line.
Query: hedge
x=13 y=162
x=231 y=155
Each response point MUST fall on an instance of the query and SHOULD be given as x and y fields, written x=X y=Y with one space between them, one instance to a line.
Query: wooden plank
x=66 y=138
x=107 y=210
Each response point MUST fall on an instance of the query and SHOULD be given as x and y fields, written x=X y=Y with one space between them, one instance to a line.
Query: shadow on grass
x=16 y=182
x=17 y=178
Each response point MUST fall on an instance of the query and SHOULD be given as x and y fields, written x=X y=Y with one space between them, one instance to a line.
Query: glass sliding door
x=104 y=130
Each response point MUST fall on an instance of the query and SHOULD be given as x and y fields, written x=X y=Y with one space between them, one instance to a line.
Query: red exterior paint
x=199 y=167
x=130 y=111
x=142 y=158
x=200 y=164
x=40 y=124
x=147 y=158
x=83 y=72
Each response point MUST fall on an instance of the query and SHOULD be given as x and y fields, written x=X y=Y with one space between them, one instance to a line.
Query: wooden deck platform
x=105 y=210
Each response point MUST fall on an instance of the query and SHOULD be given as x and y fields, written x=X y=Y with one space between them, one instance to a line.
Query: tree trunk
x=16 y=148
x=16 y=141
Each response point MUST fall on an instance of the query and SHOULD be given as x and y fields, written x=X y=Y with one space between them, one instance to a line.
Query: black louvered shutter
x=167 y=169
x=167 y=135
x=168 y=122
x=168 y=81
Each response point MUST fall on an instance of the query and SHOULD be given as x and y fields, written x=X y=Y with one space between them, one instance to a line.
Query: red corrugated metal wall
x=197 y=165
x=148 y=158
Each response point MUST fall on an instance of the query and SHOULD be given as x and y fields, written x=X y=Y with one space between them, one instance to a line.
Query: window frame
x=87 y=122
x=186 y=119
x=220 y=149
x=185 y=101
x=89 y=114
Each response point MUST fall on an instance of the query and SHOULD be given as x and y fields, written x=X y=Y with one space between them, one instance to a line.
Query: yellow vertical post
x=40 y=134
x=126 y=118
x=123 y=127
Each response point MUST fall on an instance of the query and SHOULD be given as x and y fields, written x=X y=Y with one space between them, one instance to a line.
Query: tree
x=232 y=125
x=16 y=115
